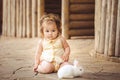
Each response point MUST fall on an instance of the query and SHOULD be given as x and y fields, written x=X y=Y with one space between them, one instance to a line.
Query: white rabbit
x=70 y=71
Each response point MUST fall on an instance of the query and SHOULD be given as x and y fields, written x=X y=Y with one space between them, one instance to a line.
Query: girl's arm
x=66 y=49
x=38 y=54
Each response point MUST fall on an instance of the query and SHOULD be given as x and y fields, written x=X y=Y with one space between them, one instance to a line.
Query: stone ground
x=17 y=60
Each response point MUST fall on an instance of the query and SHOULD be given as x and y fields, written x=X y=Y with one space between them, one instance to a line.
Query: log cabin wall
x=81 y=18
x=21 y=17
x=107 y=29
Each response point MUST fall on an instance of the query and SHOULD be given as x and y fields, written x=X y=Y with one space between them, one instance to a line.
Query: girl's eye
x=53 y=30
x=47 y=31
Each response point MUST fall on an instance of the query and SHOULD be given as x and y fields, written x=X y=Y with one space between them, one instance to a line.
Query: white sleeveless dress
x=52 y=50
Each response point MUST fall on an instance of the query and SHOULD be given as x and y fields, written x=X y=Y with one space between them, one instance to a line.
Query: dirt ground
x=17 y=60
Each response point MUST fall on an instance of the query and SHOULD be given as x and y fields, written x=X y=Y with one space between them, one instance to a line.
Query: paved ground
x=17 y=59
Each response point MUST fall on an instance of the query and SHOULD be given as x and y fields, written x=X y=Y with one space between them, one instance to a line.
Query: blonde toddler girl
x=53 y=50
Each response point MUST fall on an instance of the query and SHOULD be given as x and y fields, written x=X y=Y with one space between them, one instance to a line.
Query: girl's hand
x=65 y=57
x=35 y=68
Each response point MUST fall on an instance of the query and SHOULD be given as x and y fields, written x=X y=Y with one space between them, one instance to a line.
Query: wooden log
x=82 y=37
x=74 y=17
x=23 y=18
x=97 y=23
x=12 y=18
x=20 y=20
x=82 y=8
x=17 y=18
x=81 y=24
x=28 y=18
x=65 y=18
x=8 y=16
x=40 y=13
x=3 y=23
x=4 y=19
x=81 y=32
x=108 y=21
x=111 y=48
x=103 y=27
x=117 y=44
x=27 y=31
x=82 y=1
x=34 y=18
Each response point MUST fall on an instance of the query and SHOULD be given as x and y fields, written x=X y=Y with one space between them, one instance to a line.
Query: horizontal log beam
x=82 y=17
x=82 y=37
x=82 y=1
x=81 y=24
x=81 y=32
x=82 y=8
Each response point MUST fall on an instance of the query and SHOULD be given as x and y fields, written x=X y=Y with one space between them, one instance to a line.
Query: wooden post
x=28 y=19
x=8 y=16
x=111 y=50
x=11 y=12
x=20 y=19
x=65 y=18
x=17 y=17
x=103 y=26
x=117 y=45
x=97 y=23
x=34 y=17
x=13 y=17
x=23 y=18
x=4 y=18
x=108 y=21
x=40 y=13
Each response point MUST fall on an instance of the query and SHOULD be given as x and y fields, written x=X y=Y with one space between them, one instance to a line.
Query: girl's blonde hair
x=50 y=18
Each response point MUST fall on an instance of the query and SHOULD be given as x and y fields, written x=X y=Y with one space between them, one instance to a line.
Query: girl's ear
x=75 y=63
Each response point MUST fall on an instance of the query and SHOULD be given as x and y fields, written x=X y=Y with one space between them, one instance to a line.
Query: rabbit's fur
x=70 y=71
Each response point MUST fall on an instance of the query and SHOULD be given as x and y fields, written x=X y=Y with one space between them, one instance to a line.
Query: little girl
x=53 y=50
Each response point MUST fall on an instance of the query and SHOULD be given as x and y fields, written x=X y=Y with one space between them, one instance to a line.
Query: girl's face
x=50 y=31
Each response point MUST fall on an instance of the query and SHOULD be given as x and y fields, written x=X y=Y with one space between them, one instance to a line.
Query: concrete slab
x=17 y=60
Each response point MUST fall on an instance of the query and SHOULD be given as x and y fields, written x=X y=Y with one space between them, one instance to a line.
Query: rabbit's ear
x=75 y=63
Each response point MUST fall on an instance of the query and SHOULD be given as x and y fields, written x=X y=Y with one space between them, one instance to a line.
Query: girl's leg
x=45 y=67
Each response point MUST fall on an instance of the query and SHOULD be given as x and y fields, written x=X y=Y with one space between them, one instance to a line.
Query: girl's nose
x=50 y=32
